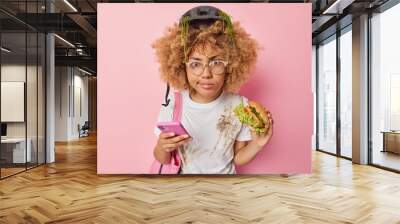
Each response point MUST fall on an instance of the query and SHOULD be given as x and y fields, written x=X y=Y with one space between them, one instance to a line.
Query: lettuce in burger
x=254 y=115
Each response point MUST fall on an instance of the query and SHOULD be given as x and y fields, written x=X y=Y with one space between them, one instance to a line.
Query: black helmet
x=202 y=15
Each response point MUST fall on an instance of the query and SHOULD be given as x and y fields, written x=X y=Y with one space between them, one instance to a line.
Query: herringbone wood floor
x=70 y=191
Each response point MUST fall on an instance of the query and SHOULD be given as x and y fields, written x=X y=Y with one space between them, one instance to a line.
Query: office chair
x=84 y=130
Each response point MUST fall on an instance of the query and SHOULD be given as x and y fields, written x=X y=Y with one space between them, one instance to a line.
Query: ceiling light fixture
x=64 y=40
x=337 y=7
x=5 y=50
x=70 y=5
x=84 y=71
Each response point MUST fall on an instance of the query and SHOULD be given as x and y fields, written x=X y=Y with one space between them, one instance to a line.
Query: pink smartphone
x=172 y=126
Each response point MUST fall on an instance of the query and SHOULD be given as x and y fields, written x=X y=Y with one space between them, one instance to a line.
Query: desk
x=13 y=150
x=391 y=141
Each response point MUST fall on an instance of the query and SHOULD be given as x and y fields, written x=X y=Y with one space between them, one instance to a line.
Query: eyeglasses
x=217 y=67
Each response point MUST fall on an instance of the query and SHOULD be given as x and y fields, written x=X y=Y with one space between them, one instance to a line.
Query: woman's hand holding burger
x=259 y=121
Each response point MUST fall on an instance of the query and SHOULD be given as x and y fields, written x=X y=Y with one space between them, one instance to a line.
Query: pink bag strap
x=177 y=115
x=177 y=106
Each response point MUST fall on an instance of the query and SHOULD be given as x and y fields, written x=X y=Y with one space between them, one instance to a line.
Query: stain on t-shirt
x=227 y=127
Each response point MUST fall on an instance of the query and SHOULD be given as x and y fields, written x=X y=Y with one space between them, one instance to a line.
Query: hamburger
x=254 y=115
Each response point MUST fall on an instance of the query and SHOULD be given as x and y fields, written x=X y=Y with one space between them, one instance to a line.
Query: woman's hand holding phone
x=168 y=142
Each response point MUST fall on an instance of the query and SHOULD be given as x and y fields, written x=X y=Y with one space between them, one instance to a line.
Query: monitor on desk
x=3 y=130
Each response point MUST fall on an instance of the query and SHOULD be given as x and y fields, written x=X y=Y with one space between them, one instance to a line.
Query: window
x=346 y=93
x=385 y=88
x=327 y=96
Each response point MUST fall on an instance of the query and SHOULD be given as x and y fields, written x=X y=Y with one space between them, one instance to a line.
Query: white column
x=50 y=93
x=360 y=90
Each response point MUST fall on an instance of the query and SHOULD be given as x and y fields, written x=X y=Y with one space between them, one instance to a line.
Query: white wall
x=17 y=73
x=79 y=117
x=13 y=73
x=70 y=84
x=62 y=81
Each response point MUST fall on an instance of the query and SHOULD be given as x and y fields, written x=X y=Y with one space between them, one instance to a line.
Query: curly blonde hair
x=241 y=52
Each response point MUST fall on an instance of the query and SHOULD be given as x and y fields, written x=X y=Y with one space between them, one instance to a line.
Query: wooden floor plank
x=70 y=191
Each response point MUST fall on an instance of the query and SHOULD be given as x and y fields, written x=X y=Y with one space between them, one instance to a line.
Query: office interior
x=48 y=82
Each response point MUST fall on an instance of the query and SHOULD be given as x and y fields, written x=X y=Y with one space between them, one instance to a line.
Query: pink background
x=130 y=92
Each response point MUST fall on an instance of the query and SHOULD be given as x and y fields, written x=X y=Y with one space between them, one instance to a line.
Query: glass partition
x=22 y=77
x=14 y=153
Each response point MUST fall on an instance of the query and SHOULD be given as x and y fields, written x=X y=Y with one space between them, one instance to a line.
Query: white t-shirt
x=213 y=127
